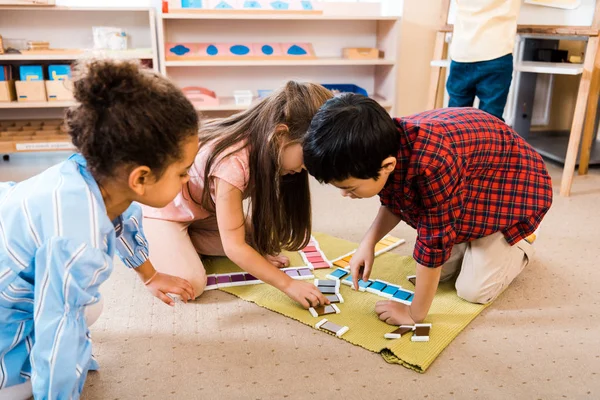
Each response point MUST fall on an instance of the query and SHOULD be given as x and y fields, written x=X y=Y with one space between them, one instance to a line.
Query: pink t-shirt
x=231 y=166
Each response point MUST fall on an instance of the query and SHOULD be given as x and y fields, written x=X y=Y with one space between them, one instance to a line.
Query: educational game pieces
x=328 y=286
x=384 y=245
x=335 y=298
x=237 y=51
x=402 y=329
x=383 y=289
x=330 y=327
x=243 y=278
x=420 y=332
x=313 y=256
x=324 y=310
x=412 y=279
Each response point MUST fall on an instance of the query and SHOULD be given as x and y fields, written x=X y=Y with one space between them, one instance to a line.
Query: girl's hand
x=161 y=284
x=362 y=262
x=279 y=261
x=305 y=293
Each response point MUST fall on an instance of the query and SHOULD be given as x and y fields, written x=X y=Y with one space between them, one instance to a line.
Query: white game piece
x=421 y=333
x=402 y=329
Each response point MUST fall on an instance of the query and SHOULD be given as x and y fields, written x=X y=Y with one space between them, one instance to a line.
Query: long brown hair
x=280 y=205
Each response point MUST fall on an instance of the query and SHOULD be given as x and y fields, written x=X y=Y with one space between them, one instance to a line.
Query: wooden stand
x=587 y=95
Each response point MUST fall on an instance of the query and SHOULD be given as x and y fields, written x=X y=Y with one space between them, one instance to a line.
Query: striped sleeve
x=132 y=246
x=67 y=275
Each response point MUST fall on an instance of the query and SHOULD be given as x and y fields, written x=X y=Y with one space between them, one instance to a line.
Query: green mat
x=449 y=314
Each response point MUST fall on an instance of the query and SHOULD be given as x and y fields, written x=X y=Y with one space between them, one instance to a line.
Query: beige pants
x=175 y=247
x=486 y=266
x=24 y=390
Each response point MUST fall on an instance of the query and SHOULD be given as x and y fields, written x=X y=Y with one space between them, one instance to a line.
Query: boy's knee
x=479 y=295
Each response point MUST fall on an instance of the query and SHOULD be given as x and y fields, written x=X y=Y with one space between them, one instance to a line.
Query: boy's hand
x=394 y=313
x=362 y=262
x=305 y=293
x=162 y=284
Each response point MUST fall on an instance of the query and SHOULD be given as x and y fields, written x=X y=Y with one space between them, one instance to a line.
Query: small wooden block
x=335 y=298
x=402 y=329
x=321 y=265
x=337 y=330
x=338 y=274
x=361 y=53
x=341 y=263
x=421 y=333
x=324 y=310
x=412 y=279
x=211 y=283
x=327 y=282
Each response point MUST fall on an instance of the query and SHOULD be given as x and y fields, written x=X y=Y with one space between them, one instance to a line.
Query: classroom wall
x=420 y=20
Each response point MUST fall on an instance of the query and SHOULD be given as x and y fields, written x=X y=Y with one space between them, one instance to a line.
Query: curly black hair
x=128 y=115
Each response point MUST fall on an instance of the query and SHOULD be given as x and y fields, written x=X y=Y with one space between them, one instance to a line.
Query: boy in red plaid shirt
x=473 y=189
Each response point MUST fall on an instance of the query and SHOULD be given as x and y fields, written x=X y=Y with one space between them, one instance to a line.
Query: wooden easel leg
x=436 y=72
x=578 y=117
x=590 y=117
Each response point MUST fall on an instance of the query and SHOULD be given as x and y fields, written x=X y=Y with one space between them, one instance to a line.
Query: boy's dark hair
x=128 y=115
x=350 y=136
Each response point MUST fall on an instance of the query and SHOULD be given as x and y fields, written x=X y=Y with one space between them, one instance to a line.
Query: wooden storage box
x=7 y=91
x=31 y=90
x=362 y=53
x=59 y=90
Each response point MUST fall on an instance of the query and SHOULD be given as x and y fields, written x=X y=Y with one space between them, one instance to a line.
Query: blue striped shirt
x=56 y=248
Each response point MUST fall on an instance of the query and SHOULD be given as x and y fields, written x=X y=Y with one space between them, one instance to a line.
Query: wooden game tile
x=379 y=247
x=324 y=310
x=251 y=279
x=402 y=329
x=363 y=285
x=339 y=273
x=389 y=291
x=341 y=263
x=312 y=254
x=335 y=298
x=238 y=279
x=305 y=272
x=327 y=282
x=412 y=279
x=292 y=273
x=421 y=333
x=211 y=283
x=376 y=287
x=328 y=289
x=320 y=265
x=223 y=280
x=337 y=330
x=403 y=296
x=314 y=259
x=310 y=249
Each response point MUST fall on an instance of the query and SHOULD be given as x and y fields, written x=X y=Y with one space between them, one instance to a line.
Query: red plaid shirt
x=463 y=174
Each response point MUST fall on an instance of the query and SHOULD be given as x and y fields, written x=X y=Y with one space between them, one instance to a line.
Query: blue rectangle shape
x=402 y=294
x=364 y=284
x=191 y=4
x=339 y=273
x=390 y=289
x=377 y=286
x=31 y=73
x=2 y=76
x=349 y=279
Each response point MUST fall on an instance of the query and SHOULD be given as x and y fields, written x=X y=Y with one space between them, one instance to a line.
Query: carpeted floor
x=539 y=340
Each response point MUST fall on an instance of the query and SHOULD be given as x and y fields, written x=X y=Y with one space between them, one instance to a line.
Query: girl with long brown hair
x=255 y=155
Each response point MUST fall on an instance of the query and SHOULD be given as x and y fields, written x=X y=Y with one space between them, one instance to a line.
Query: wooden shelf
x=279 y=63
x=550 y=68
x=277 y=17
x=134 y=54
x=37 y=104
x=228 y=104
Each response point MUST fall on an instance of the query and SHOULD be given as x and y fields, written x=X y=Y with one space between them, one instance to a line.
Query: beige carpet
x=539 y=340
